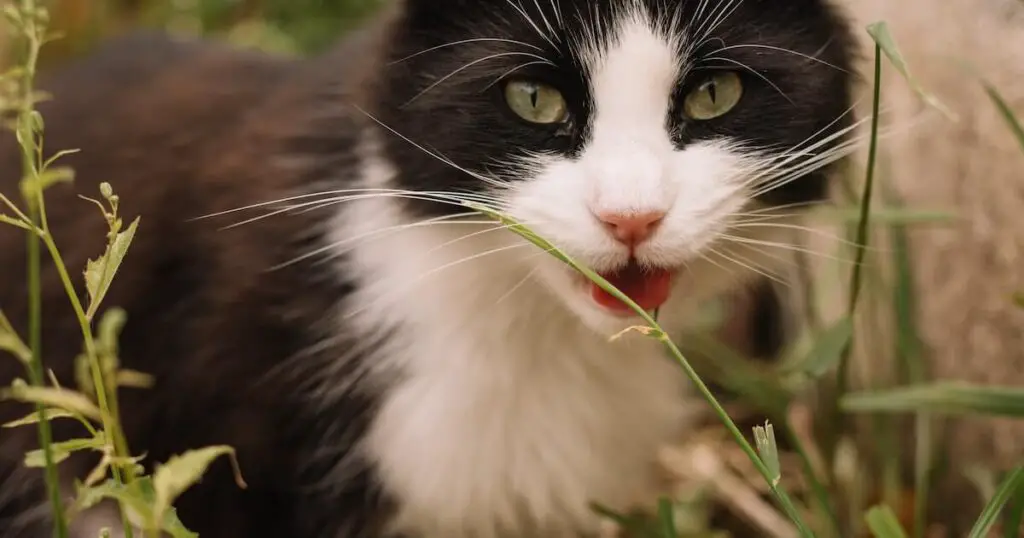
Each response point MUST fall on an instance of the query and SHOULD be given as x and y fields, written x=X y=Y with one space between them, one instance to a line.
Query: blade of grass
x=1006 y=112
x=864 y=223
x=884 y=523
x=837 y=421
x=941 y=398
x=1007 y=489
x=908 y=348
x=1014 y=514
x=883 y=38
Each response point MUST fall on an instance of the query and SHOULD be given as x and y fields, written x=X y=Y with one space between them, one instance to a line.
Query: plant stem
x=32 y=167
x=111 y=420
x=35 y=301
x=35 y=374
x=865 y=218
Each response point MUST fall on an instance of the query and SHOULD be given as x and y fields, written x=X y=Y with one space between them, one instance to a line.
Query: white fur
x=514 y=411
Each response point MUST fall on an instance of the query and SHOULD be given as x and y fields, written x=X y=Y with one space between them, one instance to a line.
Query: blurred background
x=280 y=26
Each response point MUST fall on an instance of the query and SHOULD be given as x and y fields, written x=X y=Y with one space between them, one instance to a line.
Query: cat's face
x=637 y=135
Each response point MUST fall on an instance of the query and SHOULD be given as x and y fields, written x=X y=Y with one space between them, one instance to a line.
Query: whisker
x=418 y=278
x=753 y=71
x=804 y=229
x=334 y=247
x=779 y=49
x=518 y=285
x=463 y=42
x=318 y=204
x=441 y=80
x=748 y=266
x=529 y=20
x=437 y=156
x=324 y=193
x=783 y=246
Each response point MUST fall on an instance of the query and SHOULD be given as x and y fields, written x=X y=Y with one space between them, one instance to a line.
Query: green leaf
x=99 y=273
x=62 y=450
x=883 y=523
x=32 y=188
x=171 y=479
x=132 y=498
x=34 y=418
x=12 y=343
x=1007 y=489
x=941 y=398
x=879 y=32
x=826 y=351
x=1008 y=115
x=65 y=399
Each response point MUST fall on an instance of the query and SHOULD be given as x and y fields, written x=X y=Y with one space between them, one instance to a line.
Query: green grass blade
x=908 y=349
x=883 y=523
x=1009 y=487
x=1014 y=514
x=826 y=351
x=667 y=519
x=941 y=398
x=1006 y=112
x=883 y=38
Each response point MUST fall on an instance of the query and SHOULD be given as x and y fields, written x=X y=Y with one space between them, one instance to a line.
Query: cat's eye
x=714 y=97
x=536 y=102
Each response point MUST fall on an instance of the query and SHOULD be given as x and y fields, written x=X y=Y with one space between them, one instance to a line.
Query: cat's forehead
x=571 y=19
x=583 y=29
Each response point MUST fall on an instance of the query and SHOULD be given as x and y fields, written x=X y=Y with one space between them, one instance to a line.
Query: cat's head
x=643 y=137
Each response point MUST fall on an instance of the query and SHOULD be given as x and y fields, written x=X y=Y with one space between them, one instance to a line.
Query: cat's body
x=422 y=376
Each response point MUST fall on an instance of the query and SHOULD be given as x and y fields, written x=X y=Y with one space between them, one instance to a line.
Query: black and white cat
x=385 y=361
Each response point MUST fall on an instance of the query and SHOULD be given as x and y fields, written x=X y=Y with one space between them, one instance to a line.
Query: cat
x=386 y=358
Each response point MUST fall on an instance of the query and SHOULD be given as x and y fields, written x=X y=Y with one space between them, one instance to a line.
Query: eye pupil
x=715 y=97
x=536 y=102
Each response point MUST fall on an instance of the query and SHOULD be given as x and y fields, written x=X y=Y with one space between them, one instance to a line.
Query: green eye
x=715 y=97
x=535 y=102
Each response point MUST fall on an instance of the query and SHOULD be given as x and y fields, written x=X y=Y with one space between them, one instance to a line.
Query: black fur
x=463 y=117
x=185 y=129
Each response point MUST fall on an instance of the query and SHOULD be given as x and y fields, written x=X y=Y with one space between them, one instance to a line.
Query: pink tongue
x=649 y=288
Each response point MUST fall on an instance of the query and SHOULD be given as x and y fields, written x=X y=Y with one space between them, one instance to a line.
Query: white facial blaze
x=627 y=160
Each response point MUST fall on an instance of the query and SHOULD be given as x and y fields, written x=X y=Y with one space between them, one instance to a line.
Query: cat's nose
x=631 y=228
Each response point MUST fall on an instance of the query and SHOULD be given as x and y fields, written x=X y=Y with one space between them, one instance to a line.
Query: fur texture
x=386 y=362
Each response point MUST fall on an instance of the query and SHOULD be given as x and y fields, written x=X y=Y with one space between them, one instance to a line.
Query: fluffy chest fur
x=509 y=417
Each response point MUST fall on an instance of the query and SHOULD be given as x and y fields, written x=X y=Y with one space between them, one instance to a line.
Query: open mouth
x=648 y=287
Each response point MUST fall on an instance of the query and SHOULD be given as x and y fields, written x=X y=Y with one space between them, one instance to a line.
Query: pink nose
x=632 y=228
